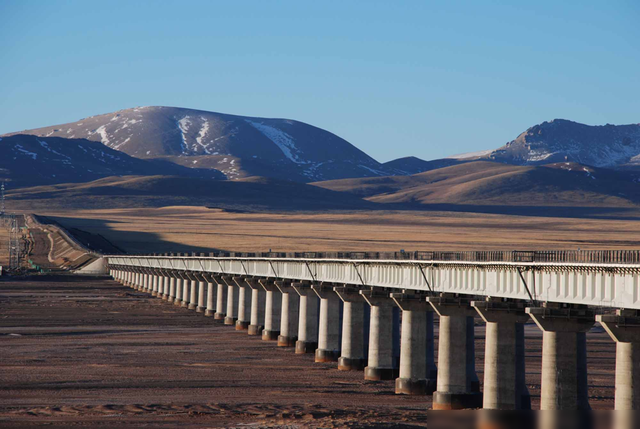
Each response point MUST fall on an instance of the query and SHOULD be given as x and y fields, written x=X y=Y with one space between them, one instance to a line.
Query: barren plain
x=88 y=352
x=199 y=229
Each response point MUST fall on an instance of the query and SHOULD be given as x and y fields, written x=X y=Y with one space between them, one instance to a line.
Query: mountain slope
x=611 y=146
x=236 y=145
x=413 y=165
x=490 y=183
x=162 y=191
x=28 y=160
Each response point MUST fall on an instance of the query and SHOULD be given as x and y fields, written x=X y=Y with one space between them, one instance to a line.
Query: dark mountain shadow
x=93 y=233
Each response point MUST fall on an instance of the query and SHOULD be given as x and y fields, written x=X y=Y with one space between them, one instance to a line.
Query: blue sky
x=420 y=78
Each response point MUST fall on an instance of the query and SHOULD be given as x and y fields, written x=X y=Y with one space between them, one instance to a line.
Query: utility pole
x=14 y=243
x=2 y=207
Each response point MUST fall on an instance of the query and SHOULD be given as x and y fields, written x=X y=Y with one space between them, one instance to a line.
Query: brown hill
x=489 y=183
x=161 y=191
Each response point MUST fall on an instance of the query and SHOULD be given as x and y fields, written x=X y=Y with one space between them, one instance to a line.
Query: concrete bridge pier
x=221 y=300
x=258 y=298
x=244 y=304
x=232 y=301
x=155 y=280
x=458 y=384
x=193 y=293
x=186 y=282
x=504 y=364
x=172 y=289
x=383 y=336
x=272 y=311
x=145 y=282
x=140 y=282
x=202 y=292
x=564 y=357
x=329 y=325
x=624 y=329
x=418 y=374
x=211 y=306
x=307 y=319
x=178 y=299
x=165 y=287
x=352 y=356
x=288 y=315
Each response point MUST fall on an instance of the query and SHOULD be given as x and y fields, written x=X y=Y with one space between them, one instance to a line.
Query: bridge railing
x=550 y=256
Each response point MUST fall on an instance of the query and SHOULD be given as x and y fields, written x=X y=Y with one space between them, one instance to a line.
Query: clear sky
x=395 y=78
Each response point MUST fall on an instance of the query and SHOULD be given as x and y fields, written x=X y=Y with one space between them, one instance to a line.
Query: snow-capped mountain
x=238 y=146
x=32 y=160
x=559 y=140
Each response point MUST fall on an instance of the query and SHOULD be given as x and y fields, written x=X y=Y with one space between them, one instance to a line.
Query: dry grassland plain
x=199 y=229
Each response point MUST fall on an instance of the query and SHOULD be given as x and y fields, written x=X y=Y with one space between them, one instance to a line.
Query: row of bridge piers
x=390 y=335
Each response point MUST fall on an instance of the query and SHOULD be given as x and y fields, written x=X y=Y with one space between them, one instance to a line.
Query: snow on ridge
x=184 y=124
x=283 y=140
x=471 y=154
x=26 y=152
x=203 y=132
x=104 y=137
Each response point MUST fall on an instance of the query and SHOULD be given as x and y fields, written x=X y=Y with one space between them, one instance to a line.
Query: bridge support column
x=244 y=304
x=193 y=295
x=201 y=297
x=232 y=301
x=353 y=330
x=288 y=315
x=458 y=384
x=211 y=306
x=307 y=319
x=564 y=356
x=221 y=300
x=165 y=288
x=272 y=310
x=178 y=300
x=329 y=325
x=624 y=329
x=418 y=373
x=383 y=336
x=185 y=293
x=154 y=285
x=504 y=365
x=145 y=282
x=172 y=289
x=258 y=298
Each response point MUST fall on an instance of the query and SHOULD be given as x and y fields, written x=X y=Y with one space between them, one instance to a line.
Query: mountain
x=161 y=191
x=27 y=160
x=238 y=146
x=559 y=140
x=412 y=165
x=492 y=183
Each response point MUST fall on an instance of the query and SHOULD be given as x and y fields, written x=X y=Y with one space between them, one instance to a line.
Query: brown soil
x=92 y=353
x=198 y=229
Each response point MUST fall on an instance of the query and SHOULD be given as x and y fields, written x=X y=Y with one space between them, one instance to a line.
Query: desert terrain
x=200 y=229
x=87 y=351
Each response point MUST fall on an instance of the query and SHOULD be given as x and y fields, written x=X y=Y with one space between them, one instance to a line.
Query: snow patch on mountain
x=203 y=132
x=283 y=140
x=184 y=124
x=22 y=150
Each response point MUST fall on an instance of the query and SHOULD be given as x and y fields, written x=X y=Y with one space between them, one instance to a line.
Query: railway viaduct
x=375 y=312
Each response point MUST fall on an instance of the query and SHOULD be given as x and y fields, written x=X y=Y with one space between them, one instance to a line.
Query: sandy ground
x=91 y=353
x=198 y=229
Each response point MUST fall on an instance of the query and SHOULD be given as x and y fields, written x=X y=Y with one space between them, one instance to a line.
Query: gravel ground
x=88 y=352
